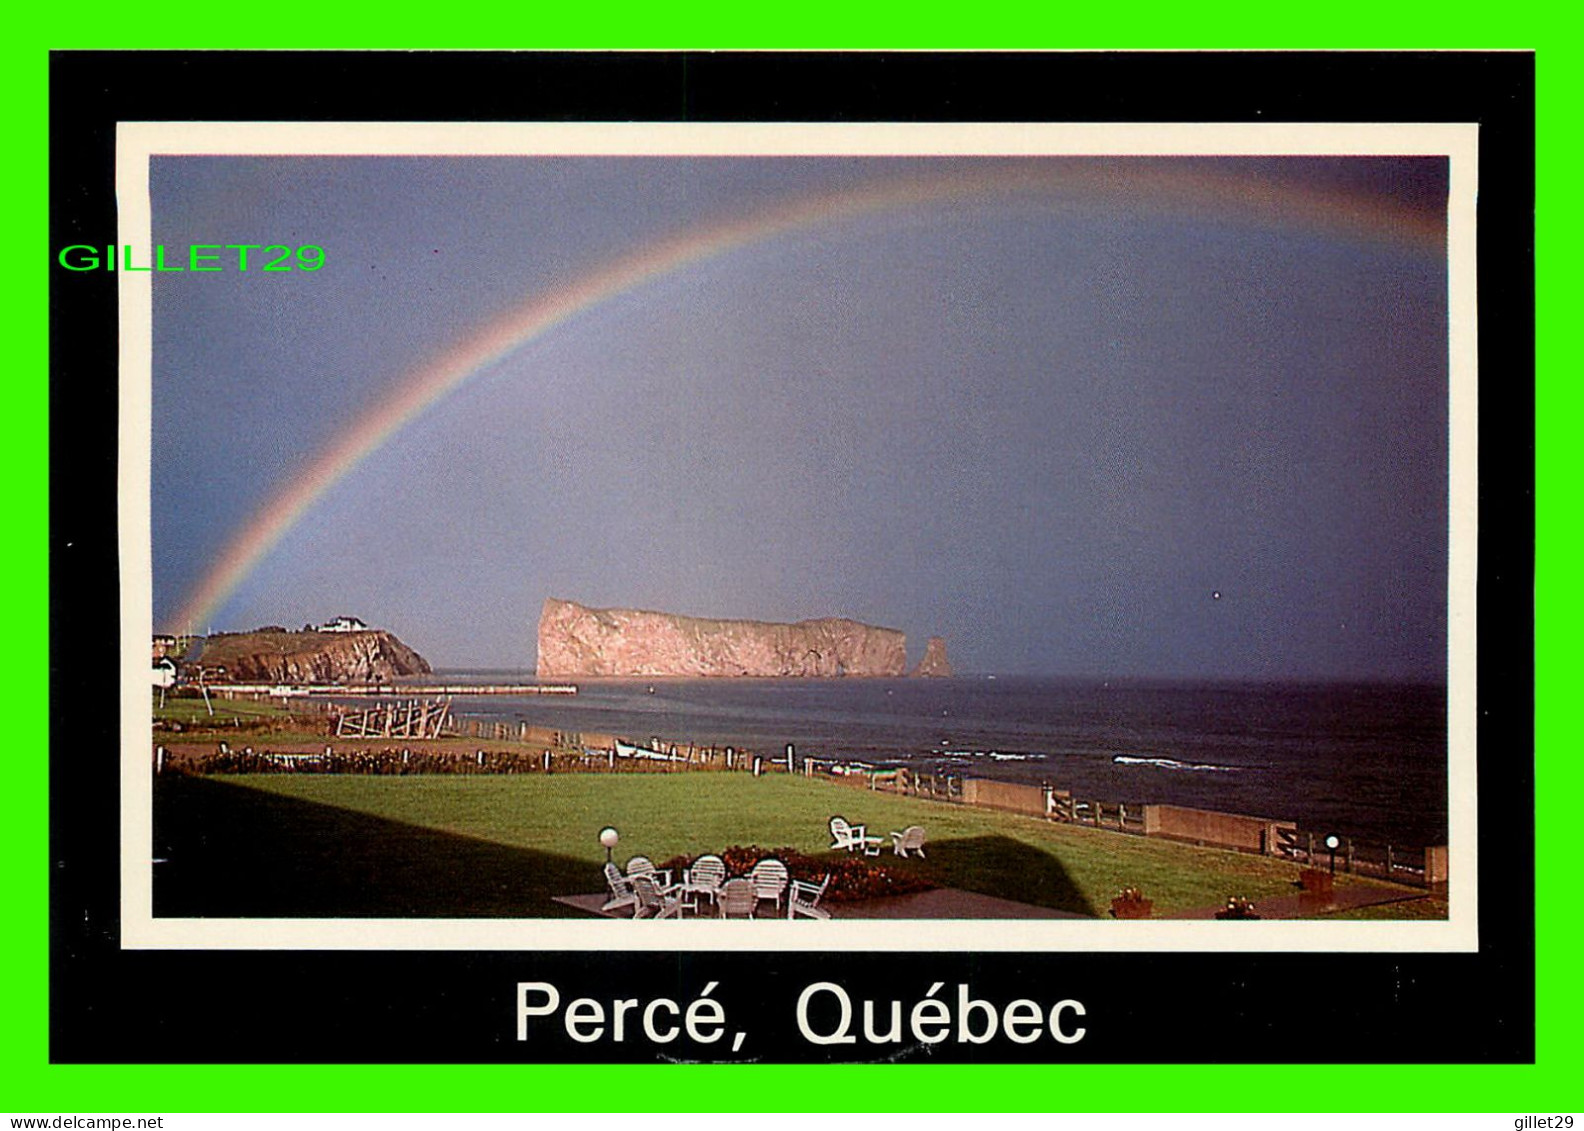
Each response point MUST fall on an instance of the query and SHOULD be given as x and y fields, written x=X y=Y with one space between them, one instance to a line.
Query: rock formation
x=311 y=657
x=934 y=664
x=578 y=641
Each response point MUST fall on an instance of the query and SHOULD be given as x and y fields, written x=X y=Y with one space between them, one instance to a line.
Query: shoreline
x=1249 y=751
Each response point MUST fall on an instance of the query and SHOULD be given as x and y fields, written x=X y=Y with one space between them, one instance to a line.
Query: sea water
x=1367 y=760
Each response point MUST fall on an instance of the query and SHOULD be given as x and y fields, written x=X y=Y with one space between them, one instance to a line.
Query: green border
x=29 y=1083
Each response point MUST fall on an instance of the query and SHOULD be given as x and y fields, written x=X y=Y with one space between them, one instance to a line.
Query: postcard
x=630 y=576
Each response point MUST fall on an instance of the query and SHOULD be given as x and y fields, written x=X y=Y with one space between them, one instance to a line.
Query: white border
x=138 y=141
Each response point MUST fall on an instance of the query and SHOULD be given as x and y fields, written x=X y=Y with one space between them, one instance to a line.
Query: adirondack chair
x=655 y=902
x=803 y=899
x=770 y=880
x=621 y=889
x=910 y=839
x=737 y=897
x=704 y=879
x=849 y=836
x=643 y=866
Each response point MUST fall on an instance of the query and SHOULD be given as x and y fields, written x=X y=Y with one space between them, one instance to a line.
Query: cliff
x=578 y=641
x=934 y=665
x=278 y=656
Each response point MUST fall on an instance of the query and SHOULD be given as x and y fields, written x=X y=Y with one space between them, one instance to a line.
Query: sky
x=1100 y=425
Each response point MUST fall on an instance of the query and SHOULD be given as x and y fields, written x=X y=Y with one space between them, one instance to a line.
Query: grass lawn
x=193 y=713
x=502 y=846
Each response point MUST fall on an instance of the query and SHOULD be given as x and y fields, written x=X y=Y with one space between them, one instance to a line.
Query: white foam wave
x=1174 y=764
x=992 y=754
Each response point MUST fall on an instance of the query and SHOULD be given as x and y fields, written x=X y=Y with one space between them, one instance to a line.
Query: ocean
x=1362 y=760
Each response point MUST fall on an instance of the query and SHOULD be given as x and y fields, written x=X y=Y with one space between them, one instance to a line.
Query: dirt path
x=1308 y=906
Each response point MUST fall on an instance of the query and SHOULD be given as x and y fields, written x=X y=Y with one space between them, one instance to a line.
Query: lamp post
x=1332 y=843
x=608 y=837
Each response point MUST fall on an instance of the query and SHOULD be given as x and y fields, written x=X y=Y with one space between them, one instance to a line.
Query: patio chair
x=803 y=899
x=770 y=880
x=737 y=898
x=655 y=902
x=910 y=839
x=621 y=890
x=704 y=878
x=849 y=836
x=643 y=866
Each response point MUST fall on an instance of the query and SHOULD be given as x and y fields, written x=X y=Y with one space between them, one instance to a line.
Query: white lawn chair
x=803 y=899
x=737 y=897
x=849 y=836
x=643 y=866
x=621 y=889
x=704 y=878
x=655 y=902
x=770 y=880
x=910 y=839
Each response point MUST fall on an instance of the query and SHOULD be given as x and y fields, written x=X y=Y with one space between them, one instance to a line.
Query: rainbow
x=1192 y=193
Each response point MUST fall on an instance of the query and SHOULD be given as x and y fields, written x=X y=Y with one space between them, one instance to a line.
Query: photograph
x=1007 y=563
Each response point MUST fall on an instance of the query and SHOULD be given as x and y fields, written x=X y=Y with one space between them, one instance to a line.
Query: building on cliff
x=345 y=624
x=349 y=656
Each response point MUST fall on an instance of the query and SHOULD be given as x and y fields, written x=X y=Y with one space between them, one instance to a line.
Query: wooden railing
x=1404 y=864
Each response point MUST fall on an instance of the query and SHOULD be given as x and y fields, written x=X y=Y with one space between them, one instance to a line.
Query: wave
x=992 y=754
x=1174 y=764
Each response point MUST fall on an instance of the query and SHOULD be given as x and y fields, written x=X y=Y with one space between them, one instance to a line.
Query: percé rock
x=279 y=656
x=575 y=640
x=934 y=665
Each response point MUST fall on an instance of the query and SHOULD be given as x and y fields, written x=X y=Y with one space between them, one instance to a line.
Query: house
x=344 y=624
x=164 y=644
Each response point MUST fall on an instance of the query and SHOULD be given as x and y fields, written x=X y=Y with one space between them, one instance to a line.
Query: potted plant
x=1131 y=904
x=1237 y=908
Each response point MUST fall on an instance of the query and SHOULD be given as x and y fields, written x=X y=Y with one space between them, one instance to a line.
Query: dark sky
x=1099 y=436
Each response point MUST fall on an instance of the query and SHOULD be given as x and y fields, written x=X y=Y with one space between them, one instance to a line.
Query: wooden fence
x=1100 y=814
x=1401 y=863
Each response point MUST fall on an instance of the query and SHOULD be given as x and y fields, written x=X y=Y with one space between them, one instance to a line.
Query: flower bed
x=852 y=877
